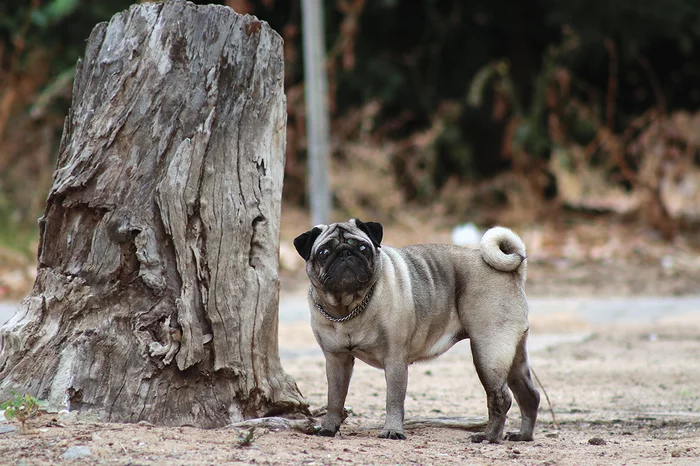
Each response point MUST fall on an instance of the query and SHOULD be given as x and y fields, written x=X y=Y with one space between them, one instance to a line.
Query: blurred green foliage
x=414 y=55
x=493 y=61
x=57 y=26
x=40 y=41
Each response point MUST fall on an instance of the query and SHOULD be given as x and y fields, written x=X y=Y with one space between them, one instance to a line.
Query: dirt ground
x=621 y=394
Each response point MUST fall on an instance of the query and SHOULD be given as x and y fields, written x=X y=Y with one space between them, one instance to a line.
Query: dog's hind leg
x=527 y=396
x=493 y=360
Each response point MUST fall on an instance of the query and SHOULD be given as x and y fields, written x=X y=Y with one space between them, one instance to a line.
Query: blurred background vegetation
x=491 y=110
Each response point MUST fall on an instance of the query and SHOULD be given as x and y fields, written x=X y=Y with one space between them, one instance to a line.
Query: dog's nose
x=345 y=255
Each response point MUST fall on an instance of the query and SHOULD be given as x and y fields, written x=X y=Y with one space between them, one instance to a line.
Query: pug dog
x=391 y=307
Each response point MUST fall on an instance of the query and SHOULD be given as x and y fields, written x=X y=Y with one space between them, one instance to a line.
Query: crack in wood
x=119 y=391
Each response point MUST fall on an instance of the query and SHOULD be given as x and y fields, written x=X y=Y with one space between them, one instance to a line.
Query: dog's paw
x=392 y=434
x=318 y=430
x=518 y=437
x=481 y=438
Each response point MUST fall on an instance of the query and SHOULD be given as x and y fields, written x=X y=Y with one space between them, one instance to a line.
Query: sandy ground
x=621 y=393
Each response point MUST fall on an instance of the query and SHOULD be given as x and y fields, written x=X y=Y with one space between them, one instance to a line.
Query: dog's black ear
x=374 y=230
x=305 y=241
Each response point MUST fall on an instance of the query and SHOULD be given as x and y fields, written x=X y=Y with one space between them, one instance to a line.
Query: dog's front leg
x=396 y=373
x=338 y=372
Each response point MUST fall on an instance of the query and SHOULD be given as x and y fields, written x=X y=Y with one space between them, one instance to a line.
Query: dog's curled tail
x=503 y=250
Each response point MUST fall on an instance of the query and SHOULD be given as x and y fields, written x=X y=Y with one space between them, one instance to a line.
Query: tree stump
x=157 y=290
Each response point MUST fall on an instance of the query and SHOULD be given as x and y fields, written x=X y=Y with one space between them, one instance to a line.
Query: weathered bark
x=164 y=209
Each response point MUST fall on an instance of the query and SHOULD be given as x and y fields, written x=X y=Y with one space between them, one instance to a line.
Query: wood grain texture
x=165 y=207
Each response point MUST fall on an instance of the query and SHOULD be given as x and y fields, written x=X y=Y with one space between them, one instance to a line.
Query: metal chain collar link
x=355 y=312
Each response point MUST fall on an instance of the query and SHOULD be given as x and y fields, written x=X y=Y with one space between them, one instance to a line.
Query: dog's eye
x=363 y=248
x=324 y=252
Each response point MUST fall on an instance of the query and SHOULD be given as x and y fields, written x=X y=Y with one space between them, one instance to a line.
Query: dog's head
x=341 y=257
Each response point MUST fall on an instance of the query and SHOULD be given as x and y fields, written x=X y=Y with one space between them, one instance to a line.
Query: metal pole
x=316 y=95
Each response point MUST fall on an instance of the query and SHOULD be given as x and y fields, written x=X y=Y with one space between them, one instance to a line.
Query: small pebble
x=76 y=452
x=66 y=416
x=597 y=441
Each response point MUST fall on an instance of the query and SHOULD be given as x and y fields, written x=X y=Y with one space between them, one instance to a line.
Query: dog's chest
x=365 y=344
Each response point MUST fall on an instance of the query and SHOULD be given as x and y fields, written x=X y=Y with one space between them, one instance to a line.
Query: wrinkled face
x=342 y=262
x=341 y=257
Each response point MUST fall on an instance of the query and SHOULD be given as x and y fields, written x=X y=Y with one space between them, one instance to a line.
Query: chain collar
x=355 y=312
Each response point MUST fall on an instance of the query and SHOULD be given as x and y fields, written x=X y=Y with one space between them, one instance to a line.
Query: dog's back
x=454 y=282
